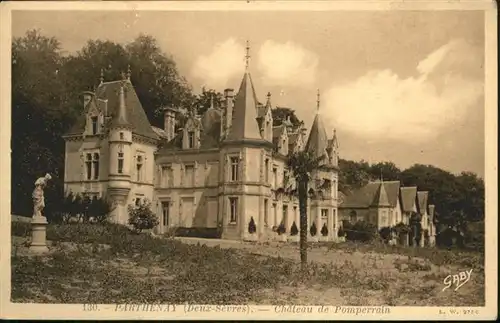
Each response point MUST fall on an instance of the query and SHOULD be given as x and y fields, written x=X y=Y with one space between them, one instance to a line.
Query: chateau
x=225 y=168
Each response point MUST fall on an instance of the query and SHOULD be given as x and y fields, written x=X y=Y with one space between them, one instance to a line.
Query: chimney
x=87 y=96
x=229 y=96
x=169 y=122
x=431 y=210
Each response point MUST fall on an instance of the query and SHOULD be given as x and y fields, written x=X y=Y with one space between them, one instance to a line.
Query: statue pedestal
x=38 y=234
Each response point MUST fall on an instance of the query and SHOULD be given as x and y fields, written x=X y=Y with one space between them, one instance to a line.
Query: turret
x=120 y=155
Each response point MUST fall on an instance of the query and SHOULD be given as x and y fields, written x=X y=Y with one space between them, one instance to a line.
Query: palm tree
x=302 y=164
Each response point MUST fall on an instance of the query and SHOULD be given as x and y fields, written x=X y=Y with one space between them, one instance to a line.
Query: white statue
x=38 y=199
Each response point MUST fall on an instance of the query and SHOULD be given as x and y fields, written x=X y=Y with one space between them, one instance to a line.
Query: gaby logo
x=457 y=280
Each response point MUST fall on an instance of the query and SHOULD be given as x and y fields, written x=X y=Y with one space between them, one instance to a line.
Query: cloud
x=381 y=104
x=225 y=61
x=286 y=64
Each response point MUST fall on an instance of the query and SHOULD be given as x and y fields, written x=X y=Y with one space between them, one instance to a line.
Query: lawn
x=109 y=264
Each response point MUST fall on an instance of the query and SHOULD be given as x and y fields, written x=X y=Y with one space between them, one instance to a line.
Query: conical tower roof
x=381 y=198
x=318 y=139
x=120 y=119
x=244 y=124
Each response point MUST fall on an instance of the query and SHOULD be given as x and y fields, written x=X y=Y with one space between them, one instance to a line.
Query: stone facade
x=221 y=169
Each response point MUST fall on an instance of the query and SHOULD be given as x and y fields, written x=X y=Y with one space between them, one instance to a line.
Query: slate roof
x=369 y=195
x=210 y=132
x=121 y=119
x=318 y=139
x=408 y=198
x=422 y=198
x=244 y=123
x=159 y=132
x=135 y=113
x=381 y=199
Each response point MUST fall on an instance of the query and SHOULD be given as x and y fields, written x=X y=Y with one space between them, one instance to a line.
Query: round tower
x=120 y=155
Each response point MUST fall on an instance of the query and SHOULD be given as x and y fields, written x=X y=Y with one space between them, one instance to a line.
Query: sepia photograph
x=221 y=161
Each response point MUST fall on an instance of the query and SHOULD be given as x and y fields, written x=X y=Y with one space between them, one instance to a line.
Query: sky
x=400 y=86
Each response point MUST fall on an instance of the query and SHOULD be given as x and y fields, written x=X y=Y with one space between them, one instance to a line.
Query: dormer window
x=191 y=139
x=93 y=120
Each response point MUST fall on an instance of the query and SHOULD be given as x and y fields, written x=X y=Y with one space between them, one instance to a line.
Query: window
x=167 y=176
x=383 y=218
x=267 y=170
x=324 y=213
x=266 y=212
x=234 y=168
x=166 y=213
x=122 y=136
x=191 y=139
x=88 y=165
x=275 y=214
x=139 y=168
x=120 y=163
x=96 y=165
x=94 y=125
x=137 y=201
x=285 y=177
x=275 y=177
x=233 y=205
x=189 y=178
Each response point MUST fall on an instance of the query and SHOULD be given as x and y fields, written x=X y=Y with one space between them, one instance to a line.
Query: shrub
x=251 y=226
x=141 y=217
x=100 y=209
x=341 y=232
x=385 y=233
x=362 y=231
x=20 y=229
x=281 y=228
x=401 y=228
x=313 y=230
x=210 y=233
x=294 y=230
x=324 y=230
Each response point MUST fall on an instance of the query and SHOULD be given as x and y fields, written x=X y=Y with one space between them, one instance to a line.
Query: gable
x=109 y=91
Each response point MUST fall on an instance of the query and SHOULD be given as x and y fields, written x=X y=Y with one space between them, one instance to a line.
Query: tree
x=353 y=175
x=154 y=73
x=385 y=170
x=280 y=114
x=203 y=101
x=37 y=119
x=302 y=164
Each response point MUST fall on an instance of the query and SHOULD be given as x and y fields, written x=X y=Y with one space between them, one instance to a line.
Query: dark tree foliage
x=280 y=114
x=251 y=226
x=294 y=230
x=324 y=230
x=313 y=230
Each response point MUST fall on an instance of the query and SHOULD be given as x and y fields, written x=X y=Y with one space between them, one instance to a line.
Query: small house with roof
x=386 y=204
